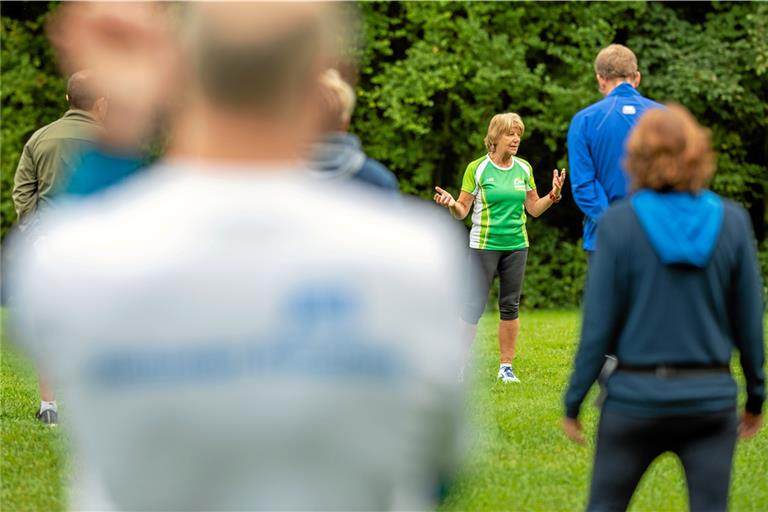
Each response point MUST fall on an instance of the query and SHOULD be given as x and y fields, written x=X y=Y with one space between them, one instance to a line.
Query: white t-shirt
x=228 y=339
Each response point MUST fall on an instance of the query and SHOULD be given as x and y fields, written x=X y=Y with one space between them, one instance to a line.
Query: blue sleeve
x=374 y=173
x=99 y=170
x=587 y=191
x=746 y=312
x=603 y=306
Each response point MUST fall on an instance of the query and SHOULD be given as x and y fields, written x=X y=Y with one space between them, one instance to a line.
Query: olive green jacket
x=48 y=159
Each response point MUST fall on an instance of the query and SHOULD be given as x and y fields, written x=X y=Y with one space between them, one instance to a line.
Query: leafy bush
x=556 y=269
x=32 y=95
x=431 y=75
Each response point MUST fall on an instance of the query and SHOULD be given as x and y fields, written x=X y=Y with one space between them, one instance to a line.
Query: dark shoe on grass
x=48 y=417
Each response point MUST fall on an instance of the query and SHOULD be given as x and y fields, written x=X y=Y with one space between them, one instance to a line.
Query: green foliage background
x=431 y=75
x=32 y=94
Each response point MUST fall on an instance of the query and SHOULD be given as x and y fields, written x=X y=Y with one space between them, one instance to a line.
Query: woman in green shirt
x=499 y=188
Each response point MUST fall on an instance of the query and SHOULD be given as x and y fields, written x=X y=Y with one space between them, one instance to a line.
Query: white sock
x=505 y=365
x=44 y=406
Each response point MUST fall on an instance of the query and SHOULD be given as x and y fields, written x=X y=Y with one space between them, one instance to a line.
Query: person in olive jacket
x=47 y=161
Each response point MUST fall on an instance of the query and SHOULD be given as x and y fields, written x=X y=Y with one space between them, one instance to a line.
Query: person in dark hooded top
x=675 y=286
x=339 y=155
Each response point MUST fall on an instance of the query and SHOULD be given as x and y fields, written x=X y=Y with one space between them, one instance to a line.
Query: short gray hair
x=265 y=65
x=616 y=61
x=83 y=89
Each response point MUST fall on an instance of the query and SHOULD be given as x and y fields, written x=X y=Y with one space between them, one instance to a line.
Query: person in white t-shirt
x=230 y=334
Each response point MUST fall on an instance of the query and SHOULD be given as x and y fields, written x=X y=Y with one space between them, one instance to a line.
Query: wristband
x=553 y=197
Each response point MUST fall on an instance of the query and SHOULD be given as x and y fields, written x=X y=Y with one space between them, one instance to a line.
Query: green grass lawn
x=518 y=458
x=34 y=464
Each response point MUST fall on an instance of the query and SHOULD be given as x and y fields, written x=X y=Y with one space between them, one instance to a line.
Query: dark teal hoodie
x=674 y=281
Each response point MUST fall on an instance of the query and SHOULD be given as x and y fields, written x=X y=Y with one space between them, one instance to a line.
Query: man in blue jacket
x=597 y=134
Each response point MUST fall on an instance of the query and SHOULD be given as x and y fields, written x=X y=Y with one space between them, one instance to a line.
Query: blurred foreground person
x=47 y=161
x=224 y=347
x=137 y=55
x=339 y=154
x=674 y=288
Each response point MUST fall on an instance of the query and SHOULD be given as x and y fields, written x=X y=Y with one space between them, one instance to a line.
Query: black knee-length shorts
x=484 y=264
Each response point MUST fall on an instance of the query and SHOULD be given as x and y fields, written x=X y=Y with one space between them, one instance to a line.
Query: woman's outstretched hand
x=558 y=179
x=443 y=198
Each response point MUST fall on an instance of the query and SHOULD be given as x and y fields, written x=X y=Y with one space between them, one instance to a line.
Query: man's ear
x=101 y=107
x=601 y=83
x=636 y=81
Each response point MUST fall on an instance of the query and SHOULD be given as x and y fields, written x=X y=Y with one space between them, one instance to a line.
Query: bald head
x=259 y=56
x=84 y=89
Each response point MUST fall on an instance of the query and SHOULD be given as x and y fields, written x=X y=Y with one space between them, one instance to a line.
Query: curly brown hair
x=668 y=150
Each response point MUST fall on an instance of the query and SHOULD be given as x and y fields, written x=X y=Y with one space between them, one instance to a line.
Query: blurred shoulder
x=80 y=230
x=617 y=219
x=736 y=219
x=375 y=173
x=618 y=209
x=390 y=223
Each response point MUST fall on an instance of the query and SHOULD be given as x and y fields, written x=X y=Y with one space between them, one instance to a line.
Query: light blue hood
x=682 y=227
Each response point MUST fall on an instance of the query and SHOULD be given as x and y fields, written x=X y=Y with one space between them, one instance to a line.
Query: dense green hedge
x=32 y=94
x=431 y=74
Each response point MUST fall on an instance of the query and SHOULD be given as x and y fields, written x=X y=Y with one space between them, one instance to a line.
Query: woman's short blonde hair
x=669 y=150
x=500 y=124
x=616 y=61
x=338 y=98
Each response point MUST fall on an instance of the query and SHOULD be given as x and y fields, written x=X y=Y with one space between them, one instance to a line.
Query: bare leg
x=47 y=413
x=46 y=391
x=508 y=331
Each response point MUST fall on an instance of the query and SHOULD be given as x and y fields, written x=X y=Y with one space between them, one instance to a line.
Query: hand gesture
x=750 y=425
x=572 y=428
x=443 y=198
x=558 y=179
x=135 y=51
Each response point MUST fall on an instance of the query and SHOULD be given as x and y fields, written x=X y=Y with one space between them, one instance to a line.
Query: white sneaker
x=507 y=374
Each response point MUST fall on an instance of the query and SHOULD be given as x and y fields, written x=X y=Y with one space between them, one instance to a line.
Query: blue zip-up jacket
x=596 y=140
x=674 y=281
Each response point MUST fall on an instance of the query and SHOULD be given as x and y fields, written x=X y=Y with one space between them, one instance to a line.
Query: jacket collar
x=79 y=114
x=624 y=89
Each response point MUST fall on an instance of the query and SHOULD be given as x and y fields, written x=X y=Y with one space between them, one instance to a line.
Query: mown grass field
x=518 y=459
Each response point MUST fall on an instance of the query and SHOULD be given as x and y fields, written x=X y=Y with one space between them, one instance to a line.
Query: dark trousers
x=627 y=445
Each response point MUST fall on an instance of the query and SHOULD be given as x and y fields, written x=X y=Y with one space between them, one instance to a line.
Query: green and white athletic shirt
x=498 y=215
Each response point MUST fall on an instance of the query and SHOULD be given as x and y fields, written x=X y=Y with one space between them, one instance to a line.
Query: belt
x=674 y=370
